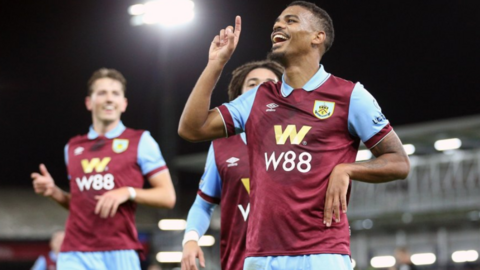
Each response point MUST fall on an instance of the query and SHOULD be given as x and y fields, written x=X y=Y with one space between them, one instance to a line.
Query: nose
x=278 y=25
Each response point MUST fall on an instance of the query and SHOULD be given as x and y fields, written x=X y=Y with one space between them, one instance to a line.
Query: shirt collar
x=316 y=81
x=92 y=134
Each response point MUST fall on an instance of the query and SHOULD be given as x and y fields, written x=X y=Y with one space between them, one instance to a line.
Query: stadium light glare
x=172 y=224
x=448 y=144
x=163 y=12
x=137 y=9
x=206 y=241
x=423 y=258
x=169 y=257
x=382 y=261
x=363 y=155
x=461 y=256
x=409 y=149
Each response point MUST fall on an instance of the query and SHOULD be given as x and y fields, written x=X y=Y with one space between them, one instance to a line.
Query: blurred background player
x=49 y=261
x=106 y=168
x=403 y=261
x=226 y=181
x=302 y=152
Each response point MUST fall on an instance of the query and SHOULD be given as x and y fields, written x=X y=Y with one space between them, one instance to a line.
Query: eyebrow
x=288 y=16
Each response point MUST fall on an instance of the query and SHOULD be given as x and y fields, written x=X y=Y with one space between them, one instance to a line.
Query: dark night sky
x=418 y=59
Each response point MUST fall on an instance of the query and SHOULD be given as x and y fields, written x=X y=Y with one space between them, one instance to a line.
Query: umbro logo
x=271 y=107
x=78 y=151
x=232 y=161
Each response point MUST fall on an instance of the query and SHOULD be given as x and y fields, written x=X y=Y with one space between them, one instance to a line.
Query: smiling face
x=256 y=77
x=295 y=33
x=107 y=101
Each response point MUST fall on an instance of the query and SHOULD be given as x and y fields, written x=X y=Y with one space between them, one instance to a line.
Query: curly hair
x=239 y=75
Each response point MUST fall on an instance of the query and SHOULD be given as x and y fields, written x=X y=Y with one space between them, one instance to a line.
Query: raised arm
x=391 y=163
x=198 y=122
x=44 y=184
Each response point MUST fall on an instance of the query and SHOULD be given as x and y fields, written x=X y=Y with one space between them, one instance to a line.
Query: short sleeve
x=235 y=113
x=365 y=118
x=149 y=156
x=211 y=184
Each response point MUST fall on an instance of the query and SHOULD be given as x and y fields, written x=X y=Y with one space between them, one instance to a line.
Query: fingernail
x=324 y=222
x=337 y=220
x=328 y=224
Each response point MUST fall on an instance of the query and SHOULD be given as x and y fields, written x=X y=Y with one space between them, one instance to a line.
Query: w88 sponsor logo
x=96 y=182
x=289 y=161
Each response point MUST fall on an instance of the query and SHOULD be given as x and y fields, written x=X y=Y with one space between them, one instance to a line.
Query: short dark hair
x=240 y=73
x=324 y=19
x=106 y=73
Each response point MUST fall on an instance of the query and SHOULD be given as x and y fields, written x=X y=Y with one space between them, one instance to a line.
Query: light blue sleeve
x=65 y=154
x=211 y=183
x=199 y=216
x=365 y=117
x=149 y=155
x=40 y=264
x=240 y=109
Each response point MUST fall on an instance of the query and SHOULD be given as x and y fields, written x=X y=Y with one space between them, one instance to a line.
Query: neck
x=102 y=127
x=301 y=70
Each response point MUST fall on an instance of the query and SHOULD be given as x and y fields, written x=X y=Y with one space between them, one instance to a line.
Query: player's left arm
x=391 y=162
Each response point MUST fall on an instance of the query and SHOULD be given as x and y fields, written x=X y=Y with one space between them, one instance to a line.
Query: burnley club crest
x=323 y=109
x=119 y=145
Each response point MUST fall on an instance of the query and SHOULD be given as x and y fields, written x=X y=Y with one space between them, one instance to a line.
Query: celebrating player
x=303 y=135
x=106 y=168
x=226 y=181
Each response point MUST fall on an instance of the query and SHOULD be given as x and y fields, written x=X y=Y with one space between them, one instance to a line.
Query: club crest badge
x=323 y=109
x=119 y=145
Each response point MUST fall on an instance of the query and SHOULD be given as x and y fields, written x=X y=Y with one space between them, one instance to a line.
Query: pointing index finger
x=238 y=25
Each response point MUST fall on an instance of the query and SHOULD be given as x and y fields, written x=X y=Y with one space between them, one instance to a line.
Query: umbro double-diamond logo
x=271 y=107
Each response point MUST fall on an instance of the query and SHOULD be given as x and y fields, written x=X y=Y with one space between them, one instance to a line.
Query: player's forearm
x=160 y=197
x=61 y=197
x=194 y=119
x=385 y=168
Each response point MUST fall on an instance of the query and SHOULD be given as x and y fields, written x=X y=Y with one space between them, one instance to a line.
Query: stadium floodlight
x=382 y=261
x=448 y=144
x=163 y=12
x=363 y=155
x=423 y=258
x=464 y=256
x=172 y=224
x=409 y=149
x=206 y=241
x=169 y=256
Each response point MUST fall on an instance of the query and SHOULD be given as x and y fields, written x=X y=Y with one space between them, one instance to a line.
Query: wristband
x=190 y=236
x=132 y=193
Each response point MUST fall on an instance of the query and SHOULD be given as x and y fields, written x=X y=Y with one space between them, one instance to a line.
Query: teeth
x=108 y=107
x=279 y=36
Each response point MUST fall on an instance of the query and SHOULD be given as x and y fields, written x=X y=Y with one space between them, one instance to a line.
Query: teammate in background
x=49 y=261
x=303 y=135
x=106 y=169
x=226 y=181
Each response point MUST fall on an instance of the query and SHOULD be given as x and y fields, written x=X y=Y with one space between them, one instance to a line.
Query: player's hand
x=109 y=201
x=336 y=197
x=43 y=182
x=191 y=250
x=224 y=44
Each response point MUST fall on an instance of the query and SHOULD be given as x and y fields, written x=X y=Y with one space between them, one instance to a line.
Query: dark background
x=418 y=58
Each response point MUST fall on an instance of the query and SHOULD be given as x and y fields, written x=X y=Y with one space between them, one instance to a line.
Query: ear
x=88 y=103
x=319 y=38
x=124 y=105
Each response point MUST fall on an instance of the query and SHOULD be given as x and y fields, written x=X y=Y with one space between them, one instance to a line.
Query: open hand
x=109 y=201
x=336 y=197
x=191 y=251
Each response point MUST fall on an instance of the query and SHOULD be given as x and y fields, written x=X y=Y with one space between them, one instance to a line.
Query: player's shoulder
x=131 y=132
x=340 y=82
x=78 y=139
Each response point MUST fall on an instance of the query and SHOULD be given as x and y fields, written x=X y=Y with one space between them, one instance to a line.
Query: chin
x=277 y=56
